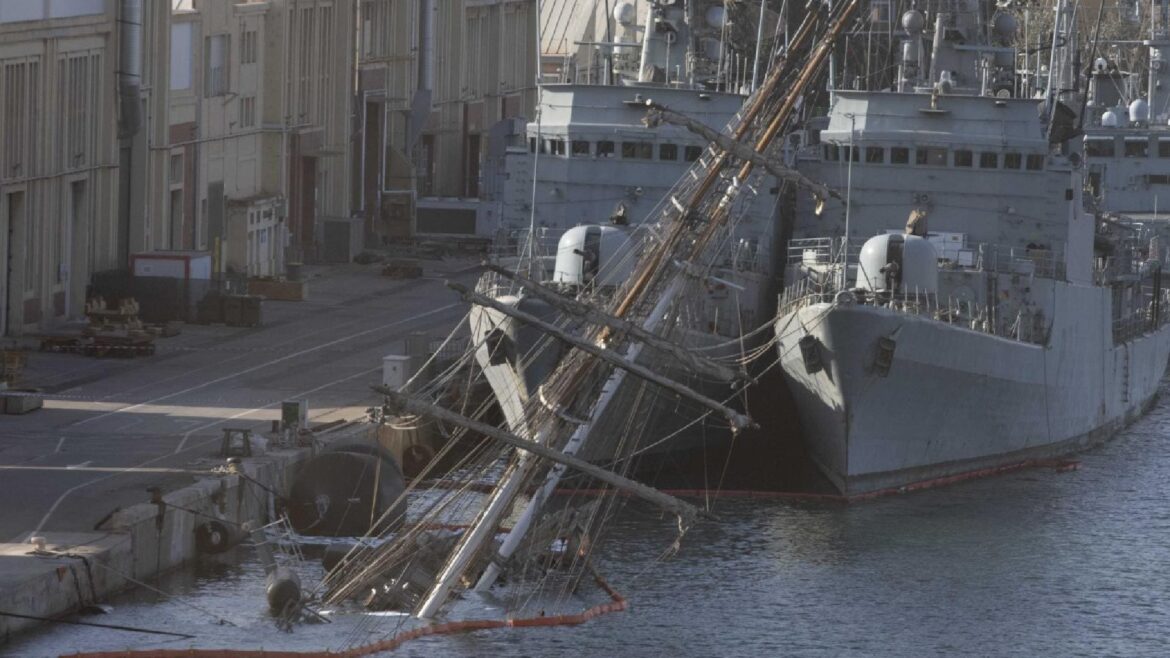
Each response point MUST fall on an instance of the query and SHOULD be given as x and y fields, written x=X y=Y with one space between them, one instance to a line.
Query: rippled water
x=1031 y=563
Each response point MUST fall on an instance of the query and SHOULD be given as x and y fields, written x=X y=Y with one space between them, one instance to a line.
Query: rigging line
x=117 y=627
x=356 y=552
x=705 y=414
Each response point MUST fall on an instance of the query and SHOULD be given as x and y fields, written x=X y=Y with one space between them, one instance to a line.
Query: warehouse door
x=11 y=285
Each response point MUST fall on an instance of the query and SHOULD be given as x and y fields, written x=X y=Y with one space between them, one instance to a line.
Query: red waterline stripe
x=1059 y=465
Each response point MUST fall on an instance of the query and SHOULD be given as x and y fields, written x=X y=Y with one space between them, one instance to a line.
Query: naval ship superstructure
x=1127 y=118
x=963 y=310
x=583 y=200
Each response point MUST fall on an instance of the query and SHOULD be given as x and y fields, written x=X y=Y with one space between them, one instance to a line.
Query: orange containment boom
x=617 y=603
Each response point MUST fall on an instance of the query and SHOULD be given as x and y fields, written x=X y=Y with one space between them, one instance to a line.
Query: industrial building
x=261 y=132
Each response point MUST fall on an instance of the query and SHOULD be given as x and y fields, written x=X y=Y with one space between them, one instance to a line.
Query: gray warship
x=584 y=196
x=1127 y=118
x=965 y=310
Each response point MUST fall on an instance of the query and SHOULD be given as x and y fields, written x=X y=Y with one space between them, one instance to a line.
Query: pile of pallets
x=12 y=364
x=112 y=332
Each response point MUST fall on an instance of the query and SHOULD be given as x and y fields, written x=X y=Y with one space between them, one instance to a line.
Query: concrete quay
x=77 y=472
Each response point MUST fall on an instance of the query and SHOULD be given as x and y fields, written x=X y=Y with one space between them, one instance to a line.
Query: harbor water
x=1030 y=563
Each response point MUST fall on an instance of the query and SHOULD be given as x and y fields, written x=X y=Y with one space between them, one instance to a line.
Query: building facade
x=258 y=162
x=435 y=78
x=58 y=156
x=261 y=131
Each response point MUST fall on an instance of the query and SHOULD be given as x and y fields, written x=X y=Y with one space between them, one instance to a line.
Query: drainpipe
x=129 y=113
x=130 y=67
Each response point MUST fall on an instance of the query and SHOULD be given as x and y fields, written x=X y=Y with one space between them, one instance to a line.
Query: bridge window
x=899 y=155
x=932 y=157
x=692 y=153
x=875 y=154
x=605 y=149
x=580 y=148
x=1099 y=148
x=668 y=151
x=1012 y=160
x=964 y=158
x=1035 y=162
x=988 y=160
x=638 y=150
x=1136 y=148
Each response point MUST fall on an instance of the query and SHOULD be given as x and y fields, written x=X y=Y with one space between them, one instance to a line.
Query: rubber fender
x=213 y=537
x=336 y=494
x=283 y=589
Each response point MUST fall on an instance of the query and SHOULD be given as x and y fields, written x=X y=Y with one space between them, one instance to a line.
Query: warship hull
x=955 y=402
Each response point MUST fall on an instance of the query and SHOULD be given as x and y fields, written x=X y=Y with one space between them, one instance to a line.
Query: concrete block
x=17 y=401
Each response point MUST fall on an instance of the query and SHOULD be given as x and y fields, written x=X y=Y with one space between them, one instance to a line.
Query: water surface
x=1026 y=564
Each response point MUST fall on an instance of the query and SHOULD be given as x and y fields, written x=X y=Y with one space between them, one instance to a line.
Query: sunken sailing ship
x=1006 y=321
x=504 y=483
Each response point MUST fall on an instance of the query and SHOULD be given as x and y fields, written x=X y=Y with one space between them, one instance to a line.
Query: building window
x=176 y=169
x=376 y=28
x=532 y=145
x=580 y=148
x=637 y=150
x=668 y=151
x=849 y=153
x=1136 y=148
x=964 y=158
x=556 y=146
x=1099 y=148
x=899 y=155
x=1158 y=179
x=543 y=145
x=1012 y=160
x=875 y=154
x=692 y=153
x=931 y=157
x=216 y=65
x=248 y=47
x=605 y=149
x=988 y=160
x=1164 y=148
x=1035 y=162
x=832 y=154
x=247 y=111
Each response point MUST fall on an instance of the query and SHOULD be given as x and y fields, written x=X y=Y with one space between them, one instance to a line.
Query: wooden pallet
x=100 y=346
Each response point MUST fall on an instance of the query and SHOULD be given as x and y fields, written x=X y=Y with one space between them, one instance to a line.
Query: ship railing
x=1149 y=311
x=823 y=251
x=513 y=243
x=1027 y=325
x=1035 y=261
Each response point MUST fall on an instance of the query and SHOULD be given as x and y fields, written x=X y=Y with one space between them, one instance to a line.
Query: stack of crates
x=242 y=310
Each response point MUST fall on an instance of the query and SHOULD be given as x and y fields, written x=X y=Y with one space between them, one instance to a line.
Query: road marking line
x=68 y=492
x=247 y=412
x=268 y=363
x=81 y=465
x=59 y=444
